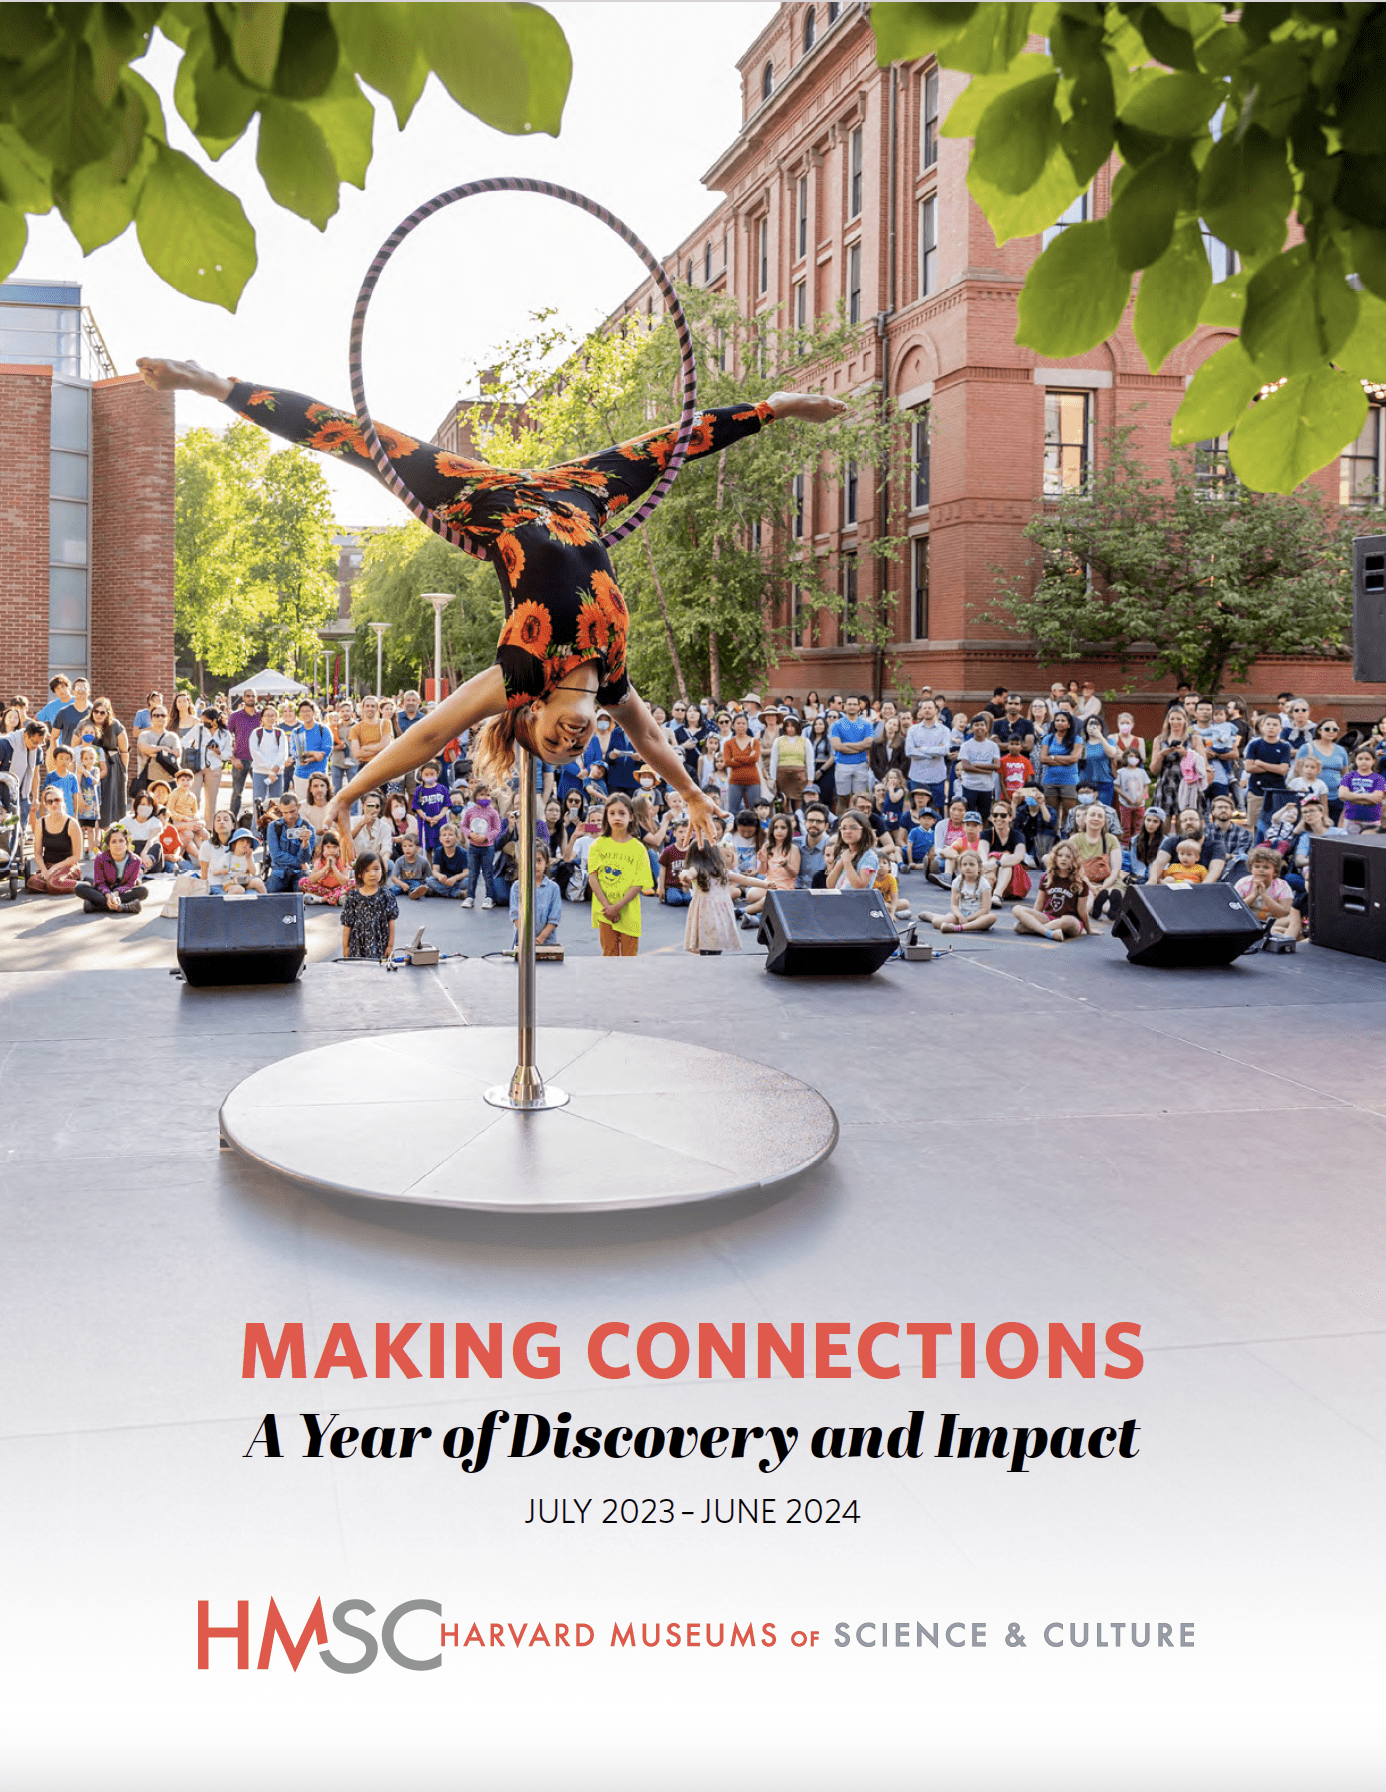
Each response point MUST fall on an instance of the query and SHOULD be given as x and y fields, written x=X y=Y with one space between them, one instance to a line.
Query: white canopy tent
x=269 y=684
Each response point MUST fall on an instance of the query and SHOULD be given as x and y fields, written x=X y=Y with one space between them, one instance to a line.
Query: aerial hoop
x=520 y=184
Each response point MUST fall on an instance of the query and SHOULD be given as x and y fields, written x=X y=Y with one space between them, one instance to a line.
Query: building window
x=854 y=184
x=801 y=224
x=726 y=250
x=707 y=262
x=721 y=349
x=928 y=120
x=801 y=347
x=849 y=496
x=1213 y=475
x=1359 y=470
x=928 y=246
x=854 y=284
x=800 y=490
x=767 y=81
x=763 y=253
x=919 y=585
x=810 y=29
x=834 y=8
x=849 y=600
x=919 y=496
x=1067 y=427
x=756 y=536
x=688 y=280
x=1223 y=261
x=1077 y=213
x=796 y=610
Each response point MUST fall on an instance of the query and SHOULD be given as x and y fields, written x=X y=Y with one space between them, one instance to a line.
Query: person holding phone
x=290 y=841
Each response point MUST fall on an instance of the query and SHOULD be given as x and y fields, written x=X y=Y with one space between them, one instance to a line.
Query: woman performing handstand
x=562 y=651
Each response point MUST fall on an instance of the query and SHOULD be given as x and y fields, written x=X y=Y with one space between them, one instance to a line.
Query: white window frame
x=928 y=245
x=854 y=309
x=928 y=120
x=851 y=495
x=1078 y=211
x=855 y=176
x=919 y=439
x=849 y=599
x=1054 y=486
x=801 y=218
x=919 y=588
x=763 y=253
x=1350 y=495
x=799 y=490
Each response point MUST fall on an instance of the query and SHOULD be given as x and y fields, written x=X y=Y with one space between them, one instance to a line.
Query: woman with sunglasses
x=114 y=743
x=562 y=650
x=57 y=847
x=1333 y=763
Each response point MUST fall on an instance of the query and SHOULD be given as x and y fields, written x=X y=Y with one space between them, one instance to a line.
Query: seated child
x=970 y=910
x=241 y=876
x=1267 y=895
x=409 y=873
x=1186 y=868
x=449 y=875
x=329 y=880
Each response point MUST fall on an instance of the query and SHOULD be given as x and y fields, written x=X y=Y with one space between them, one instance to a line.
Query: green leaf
x=114 y=40
x=1016 y=134
x=14 y=233
x=1142 y=216
x=1170 y=295
x=23 y=31
x=1074 y=295
x=308 y=54
x=1217 y=396
x=98 y=207
x=1167 y=35
x=1298 y=312
x=1369 y=257
x=194 y=233
x=1027 y=214
x=224 y=104
x=295 y=162
x=135 y=83
x=979 y=39
x=508 y=65
x=56 y=108
x=1226 y=302
x=1220 y=53
x=346 y=119
x=1297 y=429
x=1087 y=134
x=1177 y=105
x=377 y=42
x=256 y=39
x=1278 y=75
x=1364 y=352
x=25 y=176
x=965 y=114
x=1246 y=191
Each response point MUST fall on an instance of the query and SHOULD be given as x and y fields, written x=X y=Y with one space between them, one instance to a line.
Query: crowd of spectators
x=1046 y=804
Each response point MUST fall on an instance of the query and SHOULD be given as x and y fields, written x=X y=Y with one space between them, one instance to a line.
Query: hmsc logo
x=564 y=1635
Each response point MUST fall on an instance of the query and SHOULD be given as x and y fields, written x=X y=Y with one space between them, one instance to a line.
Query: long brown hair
x=496 y=741
x=617 y=796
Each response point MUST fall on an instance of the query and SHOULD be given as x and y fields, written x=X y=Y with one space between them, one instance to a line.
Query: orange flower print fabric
x=541 y=530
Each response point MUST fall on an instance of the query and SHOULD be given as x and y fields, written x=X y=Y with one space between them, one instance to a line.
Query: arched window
x=810 y=29
x=767 y=81
x=707 y=262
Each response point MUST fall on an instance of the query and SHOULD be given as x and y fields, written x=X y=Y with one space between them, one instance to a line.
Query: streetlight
x=440 y=601
x=380 y=628
x=338 y=633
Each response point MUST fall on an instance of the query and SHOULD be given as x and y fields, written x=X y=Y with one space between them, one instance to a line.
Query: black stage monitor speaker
x=826 y=935
x=1369 y=608
x=1347 y=894
x=248 y=940
x=1196 y=924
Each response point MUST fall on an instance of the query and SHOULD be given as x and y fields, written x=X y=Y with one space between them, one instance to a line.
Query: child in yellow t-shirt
x=618 y=869
x=1187 y=868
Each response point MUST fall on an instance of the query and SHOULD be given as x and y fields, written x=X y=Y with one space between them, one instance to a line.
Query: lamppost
x=380 y=628
x=338 y=633
x=440 y=601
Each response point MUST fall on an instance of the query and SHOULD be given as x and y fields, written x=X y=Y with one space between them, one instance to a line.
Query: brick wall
x=132 y=542
x=25 y=403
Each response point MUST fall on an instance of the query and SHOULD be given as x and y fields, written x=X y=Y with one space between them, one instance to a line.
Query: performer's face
x=563 y=723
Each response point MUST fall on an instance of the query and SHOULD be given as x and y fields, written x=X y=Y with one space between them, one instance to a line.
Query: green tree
x=705 y=578
x=81 y=128
x=399 y=566
x=1223 y=127
x=253 y=561
x=1187 y=574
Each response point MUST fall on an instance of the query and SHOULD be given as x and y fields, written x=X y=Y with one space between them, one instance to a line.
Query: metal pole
x=379 y=652
x=526 y=1085
x=437 y=654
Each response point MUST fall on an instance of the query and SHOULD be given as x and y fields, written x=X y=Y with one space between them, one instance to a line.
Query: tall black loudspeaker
x=251 y=940
x=1369 y=608
x=1347 y=894
x=1188 y=925
x=829 y=935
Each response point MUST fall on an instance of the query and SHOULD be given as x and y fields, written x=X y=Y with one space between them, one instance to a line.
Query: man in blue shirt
x=621 y=760
x=70 y=718
x=290 y=843
x=851 y=736
x=312 y=747
x=62 y=696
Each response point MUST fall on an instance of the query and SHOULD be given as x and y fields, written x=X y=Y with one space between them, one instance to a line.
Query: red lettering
x=731 y=1356
x=929 y=1336
x=443 y=1639
x=1135 y=1362
x=1063 y=1344
x=644 y=1350
x=315 y=1629
x=435 y=1350
x=547 y=1366
x=468 y=1345
x=608 y=1371
x=257 y=1345
x=824 y=1350
x=390 y=1350
x=340 y=1352
x=769 y=1343
x=866 y=1350
x=1029 y=1345
x=498 y=1636
x=626 y=1637
x=969 y=1351
x=474 y=1636
x=206 y=1630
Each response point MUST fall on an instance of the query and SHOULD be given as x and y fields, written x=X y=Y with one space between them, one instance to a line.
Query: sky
x=655 y=99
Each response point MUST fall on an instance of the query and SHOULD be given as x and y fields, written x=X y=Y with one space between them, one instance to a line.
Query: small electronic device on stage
x=419 y=953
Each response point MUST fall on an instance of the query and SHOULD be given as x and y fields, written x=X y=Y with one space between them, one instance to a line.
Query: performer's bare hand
x=338 y=815
x=181 y=376
x=701 y=810
x=809 y=407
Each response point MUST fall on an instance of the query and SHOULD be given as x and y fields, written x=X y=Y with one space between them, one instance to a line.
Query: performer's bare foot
x=182 y=376
x=810 y=407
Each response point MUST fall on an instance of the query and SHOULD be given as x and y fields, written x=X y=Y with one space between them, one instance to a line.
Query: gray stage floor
x=1029 y=1132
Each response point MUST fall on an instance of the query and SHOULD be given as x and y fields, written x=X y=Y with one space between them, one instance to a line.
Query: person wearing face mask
x=562 y=649
x=1132 y=793
x=481 y=826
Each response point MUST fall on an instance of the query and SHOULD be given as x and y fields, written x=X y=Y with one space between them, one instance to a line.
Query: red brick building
x=87 y=508
x=839 y=188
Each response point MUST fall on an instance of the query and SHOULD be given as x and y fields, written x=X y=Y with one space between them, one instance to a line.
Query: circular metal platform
x=649 y=1122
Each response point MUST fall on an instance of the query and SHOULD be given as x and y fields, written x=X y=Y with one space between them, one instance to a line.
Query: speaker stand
x=450 y=1118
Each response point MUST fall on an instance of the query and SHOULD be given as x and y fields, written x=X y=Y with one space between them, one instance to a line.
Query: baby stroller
x=14 y=864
